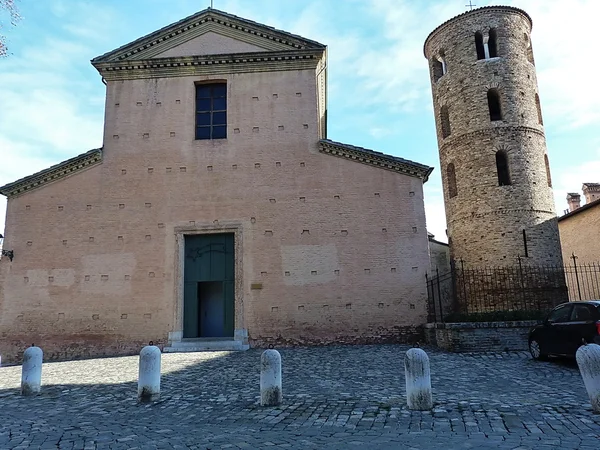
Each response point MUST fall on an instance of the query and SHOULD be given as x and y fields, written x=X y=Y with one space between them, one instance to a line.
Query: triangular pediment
x=210 y=43
x=209 y=32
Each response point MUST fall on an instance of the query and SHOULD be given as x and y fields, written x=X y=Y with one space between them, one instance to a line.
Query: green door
x=208 y=297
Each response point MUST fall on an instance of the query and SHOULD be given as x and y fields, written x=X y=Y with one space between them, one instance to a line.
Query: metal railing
x=517 y=291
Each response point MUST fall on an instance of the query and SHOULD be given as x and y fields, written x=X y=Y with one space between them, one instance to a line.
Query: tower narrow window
x=479 y=45
x=539 y=109
x=502 y=169
x=438 y=69
x=493 y=43
x=525 y=244
x=494 y=105
x=529 y=49
x=445 y=122
x=451 y=175
x=548 y=177
x=438 y=65
x=211 y=111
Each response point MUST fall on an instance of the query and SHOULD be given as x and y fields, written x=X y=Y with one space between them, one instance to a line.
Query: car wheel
x=536 y=350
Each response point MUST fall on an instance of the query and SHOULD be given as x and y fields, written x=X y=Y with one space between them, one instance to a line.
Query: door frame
x=240 y=333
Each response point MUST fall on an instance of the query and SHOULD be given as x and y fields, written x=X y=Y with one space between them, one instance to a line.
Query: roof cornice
x=476 y=12
x=376 y=159
x=255 y=30
x=211 y=64
x=579 y=210
x=54 y=173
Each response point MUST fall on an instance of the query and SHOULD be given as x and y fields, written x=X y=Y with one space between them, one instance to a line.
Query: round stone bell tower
x=494 y=164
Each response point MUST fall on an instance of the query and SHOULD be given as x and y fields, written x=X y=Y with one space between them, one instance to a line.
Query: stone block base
x=479 y=336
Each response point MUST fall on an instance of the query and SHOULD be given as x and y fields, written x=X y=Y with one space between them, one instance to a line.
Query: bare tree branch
x=8 y=9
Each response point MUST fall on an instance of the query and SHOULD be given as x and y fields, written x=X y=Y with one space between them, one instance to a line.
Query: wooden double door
x=208 y=298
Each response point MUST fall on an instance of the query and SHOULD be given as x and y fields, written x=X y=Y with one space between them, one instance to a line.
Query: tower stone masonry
x=494 y=163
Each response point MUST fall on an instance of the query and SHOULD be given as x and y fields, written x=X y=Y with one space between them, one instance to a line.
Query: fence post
x=430 y=298
x=574 y=258
x=465 y=300
x=437 y=273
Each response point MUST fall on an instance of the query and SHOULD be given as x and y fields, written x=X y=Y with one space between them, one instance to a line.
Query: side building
x=216 y=214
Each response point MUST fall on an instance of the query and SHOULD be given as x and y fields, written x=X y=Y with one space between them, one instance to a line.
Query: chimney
x=574 y=201
x=591 y=192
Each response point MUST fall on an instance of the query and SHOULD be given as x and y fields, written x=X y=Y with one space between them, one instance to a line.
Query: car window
x=561 y=314
x=582 y=313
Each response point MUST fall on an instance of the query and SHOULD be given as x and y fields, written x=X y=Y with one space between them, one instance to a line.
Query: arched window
x=479 y=45
x=493 y=43
x=494 y=105
x=548 y=177
x=437 y=68
x=539 y=109
x=502 y=168
x=445 y=122
x=451 y=175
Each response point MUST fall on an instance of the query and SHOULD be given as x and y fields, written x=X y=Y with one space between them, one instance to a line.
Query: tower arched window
x=451 y=176
x=445 y=122
x=548 y=177
x=502 y=168
x=493 y=43
x=539 y=109
x=493 y=98
x=479 y=45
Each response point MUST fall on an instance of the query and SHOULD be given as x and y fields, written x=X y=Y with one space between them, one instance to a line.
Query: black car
x=565 y=329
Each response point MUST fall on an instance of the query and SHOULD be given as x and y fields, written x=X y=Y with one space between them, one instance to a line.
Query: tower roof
x=475 y=12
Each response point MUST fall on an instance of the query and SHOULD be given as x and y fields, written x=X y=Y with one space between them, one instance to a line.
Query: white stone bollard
x=418 y=380
x=270 y=378
x=588 y=360
x=149 y=374
x=31 y=374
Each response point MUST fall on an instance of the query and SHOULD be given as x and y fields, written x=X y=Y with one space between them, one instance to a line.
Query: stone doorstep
x=206 y=345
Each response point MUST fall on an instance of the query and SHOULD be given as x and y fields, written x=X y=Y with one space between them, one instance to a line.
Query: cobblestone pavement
x=346 y=397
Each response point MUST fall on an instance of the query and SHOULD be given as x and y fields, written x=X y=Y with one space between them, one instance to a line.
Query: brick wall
x=338 y=248
x=479 y=336
x=577 y=233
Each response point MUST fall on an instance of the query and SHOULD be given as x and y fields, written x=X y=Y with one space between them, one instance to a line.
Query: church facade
x=216 y=214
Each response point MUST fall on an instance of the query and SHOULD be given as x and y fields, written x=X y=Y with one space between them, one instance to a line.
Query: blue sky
x=52 y=99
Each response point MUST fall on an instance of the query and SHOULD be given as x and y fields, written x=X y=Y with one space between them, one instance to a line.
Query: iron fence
x=520 y=291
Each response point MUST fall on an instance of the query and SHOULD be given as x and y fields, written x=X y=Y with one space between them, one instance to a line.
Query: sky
x=52 y=99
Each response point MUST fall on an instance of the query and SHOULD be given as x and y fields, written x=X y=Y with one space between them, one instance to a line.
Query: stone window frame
x=180 y=231
x=548 y=175
x=445 y=125
x=451 y=179
x=538 y=107
x=502 y=168
x=439 y=67
x=486 y=44
x=211 y=110
x=494 y=101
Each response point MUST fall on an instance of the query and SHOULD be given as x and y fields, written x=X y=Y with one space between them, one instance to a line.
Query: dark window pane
x=219 y=104
x=203 y=118
x=560 y=315
x=203 y=91
x=203 y=133
x=219 y=90
x=219 y=132
x=203 y=104
x=220 y=118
